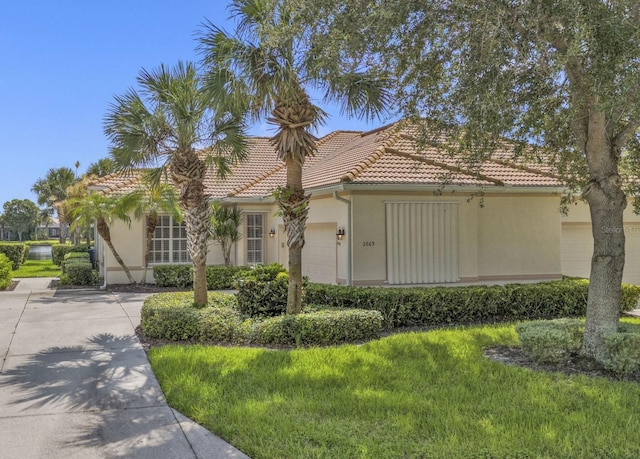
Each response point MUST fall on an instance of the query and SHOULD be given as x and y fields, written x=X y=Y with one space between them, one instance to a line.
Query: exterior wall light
x=272 y=233
x=340 y=233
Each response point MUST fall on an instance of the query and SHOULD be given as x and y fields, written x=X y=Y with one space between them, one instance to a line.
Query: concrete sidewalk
x=76 y=383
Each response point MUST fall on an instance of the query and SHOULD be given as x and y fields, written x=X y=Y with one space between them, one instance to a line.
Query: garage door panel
x=577 y=250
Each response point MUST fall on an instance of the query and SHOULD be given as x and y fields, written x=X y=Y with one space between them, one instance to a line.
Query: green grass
x=415 y=395
x=37 y=268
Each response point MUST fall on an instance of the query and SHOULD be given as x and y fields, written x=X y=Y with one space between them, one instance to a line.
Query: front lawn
x=412 y=395
x=37 y=268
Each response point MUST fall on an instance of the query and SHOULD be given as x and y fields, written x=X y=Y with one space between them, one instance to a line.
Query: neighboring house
x=379 y=215
x=52 y=229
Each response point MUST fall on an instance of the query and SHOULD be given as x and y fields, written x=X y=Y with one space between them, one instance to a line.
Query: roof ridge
x=378 y=153
x=256 y=180
x=448 y=167
x=324 y=139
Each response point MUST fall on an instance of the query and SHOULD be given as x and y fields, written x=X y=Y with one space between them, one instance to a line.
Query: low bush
x=6 y=271
x=225 y=277
x=173 y=316
x=74 y=258
x=78 y=272
x=58 y=251
x=16 y=253
x=180 y=276
x=318 y=328
x=258 y=298
x=551 y=341
x=402 y=307
x=622 y=355
x=261 y=273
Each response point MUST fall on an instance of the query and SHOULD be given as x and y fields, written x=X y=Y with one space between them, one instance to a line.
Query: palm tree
x=103 y=210
x=266 y=70
x=225 y=227
x=102 y=167
x=172 y=126
x=52 y=192
x=150 y=202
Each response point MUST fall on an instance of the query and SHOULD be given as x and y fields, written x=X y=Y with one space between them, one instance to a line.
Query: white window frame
x=169 y=245
x=254 y=238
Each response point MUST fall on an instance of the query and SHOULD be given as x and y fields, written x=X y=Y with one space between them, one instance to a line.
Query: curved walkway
x=76 y=383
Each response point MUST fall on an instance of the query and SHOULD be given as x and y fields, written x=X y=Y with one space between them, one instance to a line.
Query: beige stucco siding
x=519 y=236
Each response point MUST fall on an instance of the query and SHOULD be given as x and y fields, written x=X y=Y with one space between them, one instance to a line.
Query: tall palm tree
x=102 y=167
x=266 y=70
x=52 y=192
x=150 y=202
x=103 y=210
x=171 y=126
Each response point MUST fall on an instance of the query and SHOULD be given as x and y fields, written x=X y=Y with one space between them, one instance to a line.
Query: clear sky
x=61 y=63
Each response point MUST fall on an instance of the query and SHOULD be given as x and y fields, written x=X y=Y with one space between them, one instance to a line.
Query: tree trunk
x=294 y=222
x=105 y=233
x=607 y=202
x=151 y=229
x=197 y=225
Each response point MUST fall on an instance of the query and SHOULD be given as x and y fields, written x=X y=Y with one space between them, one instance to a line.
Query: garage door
x=319 y=253
x=577 y=249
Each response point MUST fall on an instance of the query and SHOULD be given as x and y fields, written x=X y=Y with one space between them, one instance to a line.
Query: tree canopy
x=563 y=75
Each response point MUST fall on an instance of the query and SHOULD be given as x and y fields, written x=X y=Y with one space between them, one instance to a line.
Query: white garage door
x=319 y=253
x=577 y=249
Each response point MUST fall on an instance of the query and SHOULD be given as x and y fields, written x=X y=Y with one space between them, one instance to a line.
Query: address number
x=368 y=244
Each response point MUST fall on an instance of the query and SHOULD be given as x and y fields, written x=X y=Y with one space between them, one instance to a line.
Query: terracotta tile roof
x=387 y=155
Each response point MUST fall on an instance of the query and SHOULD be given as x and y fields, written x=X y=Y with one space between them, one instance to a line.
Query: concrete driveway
x=76 y=383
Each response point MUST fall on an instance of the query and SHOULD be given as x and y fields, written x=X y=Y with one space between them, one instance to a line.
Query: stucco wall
x=519 y=236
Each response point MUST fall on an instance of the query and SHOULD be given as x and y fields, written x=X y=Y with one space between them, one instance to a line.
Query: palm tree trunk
x=151 y=230
x=295 y=207
x=105 y=233
x=197 y=223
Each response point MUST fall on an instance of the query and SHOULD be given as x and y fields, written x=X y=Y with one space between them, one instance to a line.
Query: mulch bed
x=11 y=287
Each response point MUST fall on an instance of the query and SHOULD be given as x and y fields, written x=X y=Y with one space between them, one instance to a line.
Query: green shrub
x=74 y=258
x=622 y=352
x=180 y=276
x=551 y=341
x=173 y=316
x=402 y=307
x=224 y=277
x=318 y=328
x=16 y=253
x=58 y=251
x=261 y=273
x=6 y=273
x=258 y=298
x=78 y=272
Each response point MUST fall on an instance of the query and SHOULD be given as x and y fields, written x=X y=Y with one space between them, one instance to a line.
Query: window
x=254 y=238
x=169 y=243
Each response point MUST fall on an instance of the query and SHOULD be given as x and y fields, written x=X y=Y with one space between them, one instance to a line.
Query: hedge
x=5 y=271
x=318 y=328
x=173 y=316
x=58 y=251
x=16 y=253
x=402 y=307
x=218 y=277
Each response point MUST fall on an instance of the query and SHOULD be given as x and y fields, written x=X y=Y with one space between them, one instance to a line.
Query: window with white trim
x=169 y=243
x=254 y=238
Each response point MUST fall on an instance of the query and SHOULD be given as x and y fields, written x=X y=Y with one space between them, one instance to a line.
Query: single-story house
x=385 y=212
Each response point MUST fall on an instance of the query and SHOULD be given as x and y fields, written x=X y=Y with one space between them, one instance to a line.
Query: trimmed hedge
x=16 y=253
x=173 y=316
x=263 y=298
x=320 y=328
x=58 y=251
x=550 y=341
x=218 y=277
x=73 y=258
x=78 y=273
x=402 y=307
x=224 y=277
x=5 y=271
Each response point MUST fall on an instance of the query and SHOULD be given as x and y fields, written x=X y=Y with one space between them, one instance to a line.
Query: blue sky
x=63 y=61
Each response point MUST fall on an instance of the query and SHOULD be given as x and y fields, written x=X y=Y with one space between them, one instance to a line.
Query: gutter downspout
x=349 y=234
